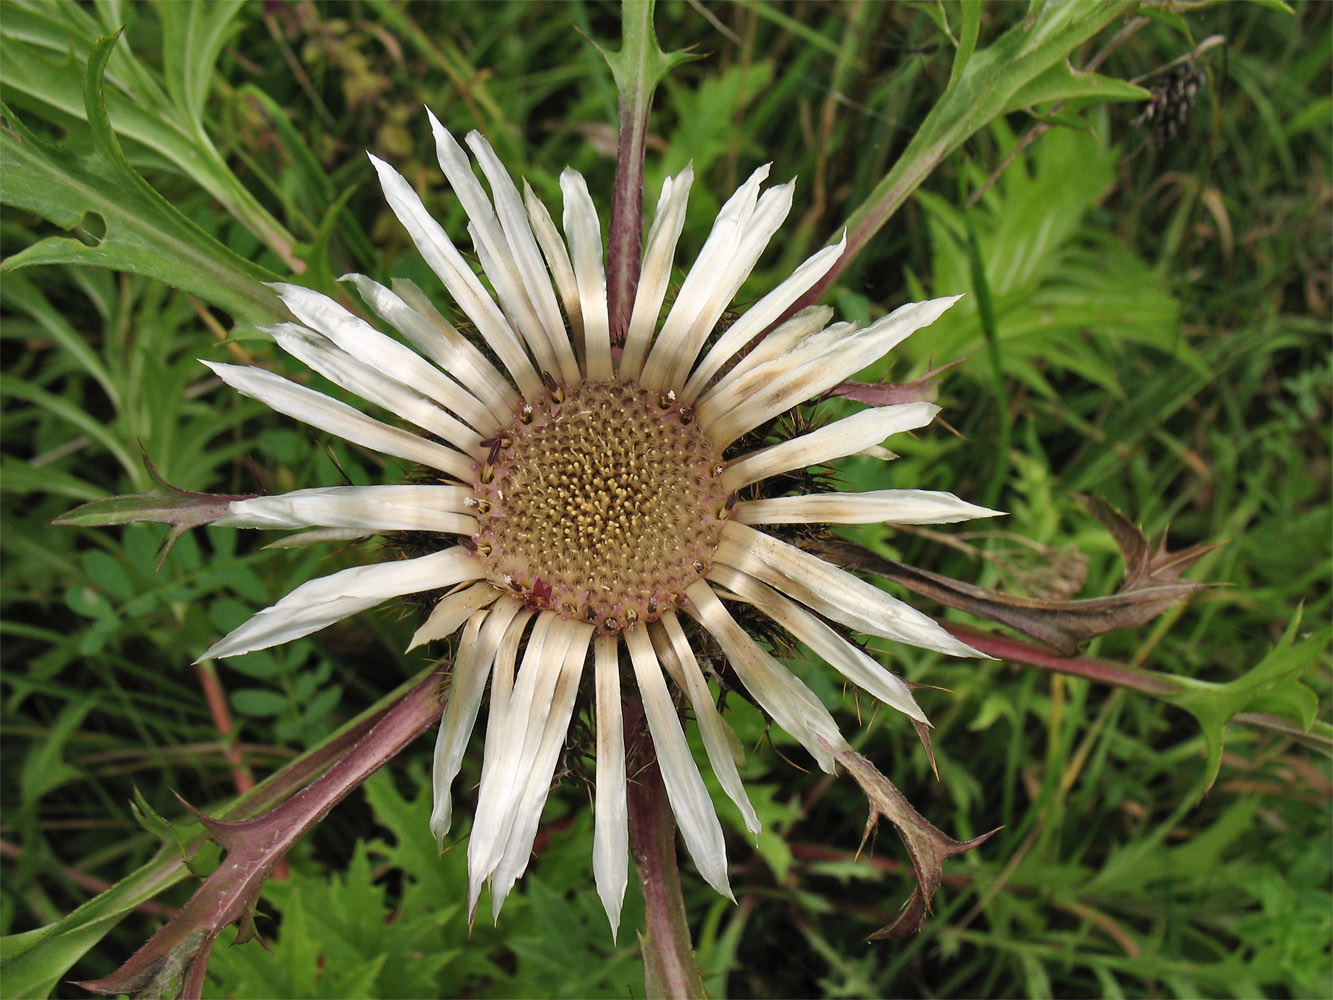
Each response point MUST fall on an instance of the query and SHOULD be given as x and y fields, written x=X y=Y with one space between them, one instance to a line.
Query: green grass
x=1148 y=325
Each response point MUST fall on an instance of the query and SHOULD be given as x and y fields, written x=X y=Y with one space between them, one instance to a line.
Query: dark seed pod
x=1172 y=99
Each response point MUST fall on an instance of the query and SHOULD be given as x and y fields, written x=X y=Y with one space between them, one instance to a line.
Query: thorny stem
x=669 y=966
x=412 y=715
x=281 y=784
x=1319 y=736
x=254 y=846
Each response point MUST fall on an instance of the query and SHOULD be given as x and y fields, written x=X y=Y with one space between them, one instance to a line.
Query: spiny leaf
x=1273 y=682
x=163 y=504
x=927 y=846
x=639 y=65
x=1152 y=584
x=922 y=390
x=1145 y=566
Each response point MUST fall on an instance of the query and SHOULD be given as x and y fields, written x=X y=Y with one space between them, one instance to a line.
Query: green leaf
x=21 y=292
x=708 y=113
x=1065 y=296
x=145 y=234
x=163 y=113
x=21 y=477
x=193 y=35
x=258 y=702
x=1272 y=685
x=150 y=819
x=44 y=769
x=984 y=88
x=967 y=40
x=35 y=961
x=1063 y=83
x=73 y=413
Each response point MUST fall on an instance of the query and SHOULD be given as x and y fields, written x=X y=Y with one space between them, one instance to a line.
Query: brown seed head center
x=601 y=502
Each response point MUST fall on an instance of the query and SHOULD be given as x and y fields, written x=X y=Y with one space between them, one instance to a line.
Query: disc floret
x=601 y=502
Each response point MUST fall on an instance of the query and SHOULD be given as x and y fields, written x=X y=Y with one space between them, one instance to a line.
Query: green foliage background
x=1145 y=324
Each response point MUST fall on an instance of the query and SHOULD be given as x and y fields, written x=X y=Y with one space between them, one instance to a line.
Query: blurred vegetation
x=1148 y=323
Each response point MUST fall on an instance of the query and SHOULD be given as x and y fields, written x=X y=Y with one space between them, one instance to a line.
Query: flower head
x=593 y=507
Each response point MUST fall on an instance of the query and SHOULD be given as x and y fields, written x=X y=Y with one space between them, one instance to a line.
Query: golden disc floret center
x=601 y=502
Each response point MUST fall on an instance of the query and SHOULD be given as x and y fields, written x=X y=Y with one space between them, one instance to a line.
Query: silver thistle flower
x=588 y=496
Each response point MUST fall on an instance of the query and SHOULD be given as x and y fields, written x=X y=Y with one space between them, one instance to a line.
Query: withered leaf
x=927 y=846
x=1152 y=584
x=923 y=389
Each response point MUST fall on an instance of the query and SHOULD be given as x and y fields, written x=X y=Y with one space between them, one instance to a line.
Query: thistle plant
x=605 y=502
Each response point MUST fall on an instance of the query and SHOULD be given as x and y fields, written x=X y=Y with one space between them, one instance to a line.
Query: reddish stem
x=178 y=953
x=669 y=966
x=1102 y=671
x=625 y=245
x=217 y=707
